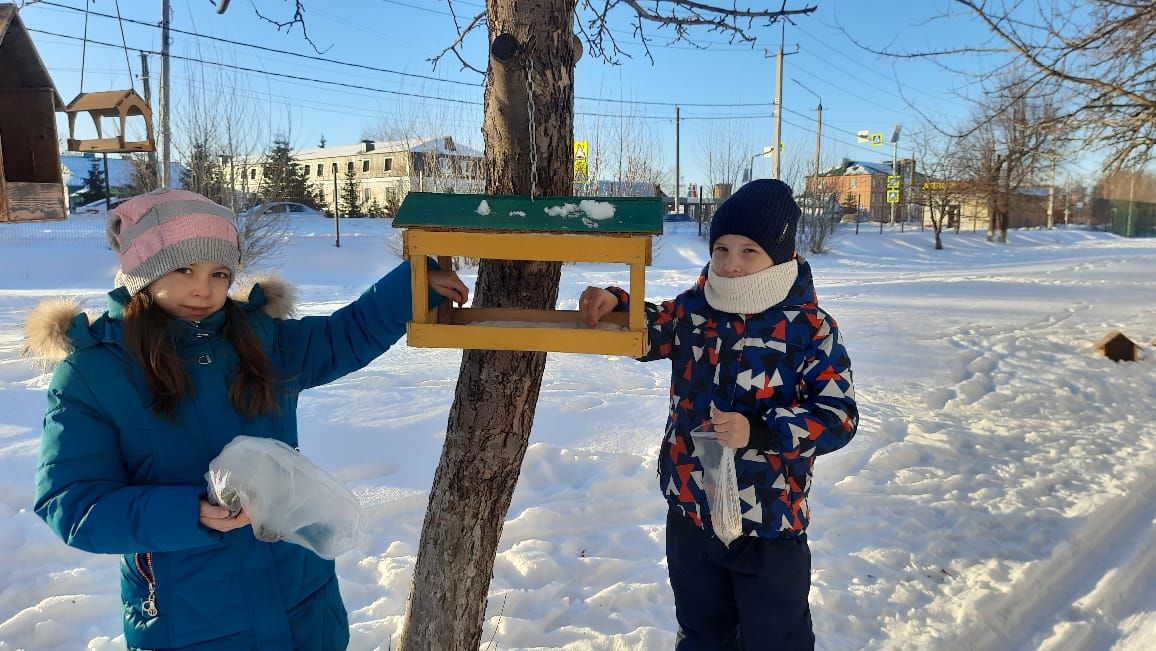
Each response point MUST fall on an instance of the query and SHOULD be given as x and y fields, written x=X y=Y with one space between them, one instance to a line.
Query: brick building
x=863 y=185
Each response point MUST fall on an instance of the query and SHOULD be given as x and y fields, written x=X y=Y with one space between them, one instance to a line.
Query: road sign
x=876 y=139
x=893 y=196
x=863 y=135
x=892 y=181
x=581 y=173
x=581 y=155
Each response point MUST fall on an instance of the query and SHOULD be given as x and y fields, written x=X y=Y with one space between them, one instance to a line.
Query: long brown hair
x=146 y=334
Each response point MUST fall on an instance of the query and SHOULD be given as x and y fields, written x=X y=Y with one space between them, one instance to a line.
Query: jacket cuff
x=623 y=298
x=760 y=435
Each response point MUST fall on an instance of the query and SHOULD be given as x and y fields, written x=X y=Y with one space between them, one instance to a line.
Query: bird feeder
x=119 y=104
x=1117 y=347
x=548 y=229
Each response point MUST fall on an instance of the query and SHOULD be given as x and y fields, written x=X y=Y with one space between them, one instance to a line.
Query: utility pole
x=1052 y=196
x=818 y=145
x=895 y=170
x=777 y=171
x=676 y=126
x=1131 y=204
x=151 y=156
x=336 y=209
x=164 y=93
x=779 y=100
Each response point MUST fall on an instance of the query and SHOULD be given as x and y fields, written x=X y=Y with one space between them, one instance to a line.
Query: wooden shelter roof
x=605 y=215
x=20 y=64
x=106 y=102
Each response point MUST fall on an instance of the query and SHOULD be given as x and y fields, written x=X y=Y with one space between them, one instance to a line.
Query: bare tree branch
x=1096 y=54
x=478 y=20
x=679 y=15
x=297 y=19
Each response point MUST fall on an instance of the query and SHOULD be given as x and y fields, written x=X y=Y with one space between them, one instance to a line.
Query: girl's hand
x=595 y=303
x=732 y=428
x=447 y=283
x=217 y=518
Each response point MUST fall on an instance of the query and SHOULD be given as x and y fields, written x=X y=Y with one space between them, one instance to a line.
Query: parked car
x=289 y=209
x=98 y=208
x=676 y=217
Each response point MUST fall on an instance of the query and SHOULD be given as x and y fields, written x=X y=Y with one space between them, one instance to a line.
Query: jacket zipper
x=149 y=605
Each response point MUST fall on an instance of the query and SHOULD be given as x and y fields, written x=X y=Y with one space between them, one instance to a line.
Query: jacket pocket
x=199 y=598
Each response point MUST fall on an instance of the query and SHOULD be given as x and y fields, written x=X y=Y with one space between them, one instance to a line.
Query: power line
x=373 y=89
x=273 y=74
x=389 y=71
x=269 y=49
x=663 y=118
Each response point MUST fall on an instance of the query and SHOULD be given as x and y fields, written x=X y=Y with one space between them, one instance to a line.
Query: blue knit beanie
x=763 y=210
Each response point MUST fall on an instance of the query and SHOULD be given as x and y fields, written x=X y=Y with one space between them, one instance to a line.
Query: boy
x=752 y=353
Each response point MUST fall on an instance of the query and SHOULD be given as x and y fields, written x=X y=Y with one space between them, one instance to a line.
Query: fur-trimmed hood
x=51 y=330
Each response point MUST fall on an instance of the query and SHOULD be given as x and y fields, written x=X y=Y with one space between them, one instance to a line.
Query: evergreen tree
x=202 y=174
x=283 y=178
x=375 y=209
x=93 y=185
x=350 y=200
x=391 y=204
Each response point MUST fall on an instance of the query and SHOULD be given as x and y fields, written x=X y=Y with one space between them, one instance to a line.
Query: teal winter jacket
x=116 y=478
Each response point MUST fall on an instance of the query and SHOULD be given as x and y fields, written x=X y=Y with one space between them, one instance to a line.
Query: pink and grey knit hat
x=155 y=233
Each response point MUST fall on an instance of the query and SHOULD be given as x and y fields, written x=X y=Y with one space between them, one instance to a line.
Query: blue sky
x=720 y=87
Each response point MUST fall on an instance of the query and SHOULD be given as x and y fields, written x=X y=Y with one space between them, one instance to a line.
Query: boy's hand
x=595 y=303
x=447 y=283
x=732 y=428
x=217 y=518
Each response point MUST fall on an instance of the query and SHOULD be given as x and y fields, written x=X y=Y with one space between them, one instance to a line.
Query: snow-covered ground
x=1000 y=494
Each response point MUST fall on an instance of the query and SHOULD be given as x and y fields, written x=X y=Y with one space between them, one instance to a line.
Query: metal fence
x=1134 y=218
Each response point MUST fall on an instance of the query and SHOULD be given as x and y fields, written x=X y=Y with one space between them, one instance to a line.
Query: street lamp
x=751 y=166
x=336 y=212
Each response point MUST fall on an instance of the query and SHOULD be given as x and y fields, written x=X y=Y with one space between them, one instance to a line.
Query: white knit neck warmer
x=753 y=293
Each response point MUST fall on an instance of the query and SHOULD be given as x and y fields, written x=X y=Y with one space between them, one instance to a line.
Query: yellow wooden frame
x=449 y=327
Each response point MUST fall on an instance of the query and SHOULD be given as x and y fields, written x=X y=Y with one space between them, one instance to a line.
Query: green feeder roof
x=492 y=212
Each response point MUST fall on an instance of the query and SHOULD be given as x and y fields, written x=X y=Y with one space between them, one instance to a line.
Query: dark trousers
x=751 y=596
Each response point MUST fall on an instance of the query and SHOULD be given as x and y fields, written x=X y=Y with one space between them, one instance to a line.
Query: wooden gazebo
x=31 y=187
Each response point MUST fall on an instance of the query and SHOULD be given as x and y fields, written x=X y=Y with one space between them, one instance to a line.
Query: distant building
x=384 y=170
x=75 y=167
x=862 y=186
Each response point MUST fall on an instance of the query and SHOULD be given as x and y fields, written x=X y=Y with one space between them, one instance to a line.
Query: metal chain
x=533 y=126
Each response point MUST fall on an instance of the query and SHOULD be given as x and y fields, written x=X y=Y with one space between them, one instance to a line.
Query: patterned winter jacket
x=115 y=478
x=786 y=369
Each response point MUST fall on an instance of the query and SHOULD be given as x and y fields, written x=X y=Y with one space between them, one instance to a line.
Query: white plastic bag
x=721 y=483
x=286 y=496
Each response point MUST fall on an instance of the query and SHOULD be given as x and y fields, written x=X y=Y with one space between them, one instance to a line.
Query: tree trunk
x=497 y=391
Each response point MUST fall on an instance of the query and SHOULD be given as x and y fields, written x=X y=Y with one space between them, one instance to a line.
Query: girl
x=754 y=356
x=150 y=392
